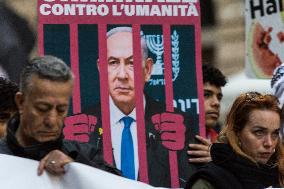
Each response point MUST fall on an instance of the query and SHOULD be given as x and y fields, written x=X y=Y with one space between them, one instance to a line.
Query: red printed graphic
x=79 y=127
x=171 y=128
x=266 y=60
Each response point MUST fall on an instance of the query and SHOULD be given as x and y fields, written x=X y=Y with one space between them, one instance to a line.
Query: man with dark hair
x=36 y=131
x=213 y=80
x=8 y=107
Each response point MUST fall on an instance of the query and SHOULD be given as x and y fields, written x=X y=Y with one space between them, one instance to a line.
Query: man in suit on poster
x=164 y=130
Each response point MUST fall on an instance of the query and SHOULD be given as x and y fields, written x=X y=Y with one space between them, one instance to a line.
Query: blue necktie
x=127 y=150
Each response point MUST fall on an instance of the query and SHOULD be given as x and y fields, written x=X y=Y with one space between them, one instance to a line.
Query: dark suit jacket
x=157 y=154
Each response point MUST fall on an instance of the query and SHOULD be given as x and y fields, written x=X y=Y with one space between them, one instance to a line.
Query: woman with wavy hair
x=248 y=153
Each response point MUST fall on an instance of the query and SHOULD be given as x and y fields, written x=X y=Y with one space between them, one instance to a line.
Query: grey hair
x=46 y=67
x=129 y=29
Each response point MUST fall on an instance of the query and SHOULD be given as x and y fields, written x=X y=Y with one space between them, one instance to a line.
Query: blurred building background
x=28 y=10
x=223 y=34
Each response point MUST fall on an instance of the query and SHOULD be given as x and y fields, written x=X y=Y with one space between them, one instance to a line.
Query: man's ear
x=19 y=100
x=148 y=69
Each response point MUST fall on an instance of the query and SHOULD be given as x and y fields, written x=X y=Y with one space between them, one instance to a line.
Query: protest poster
x=264 y=37
x=76 y=31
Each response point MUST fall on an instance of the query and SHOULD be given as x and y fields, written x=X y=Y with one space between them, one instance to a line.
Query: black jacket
x=82 y=153
x=229 y=170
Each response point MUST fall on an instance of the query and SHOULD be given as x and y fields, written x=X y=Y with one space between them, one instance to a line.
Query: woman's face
x=260 y=135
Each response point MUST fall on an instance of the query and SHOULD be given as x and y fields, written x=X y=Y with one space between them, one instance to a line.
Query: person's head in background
x=16 y=43
x=277 y=83
x=213 y=81
x=277 y=86
x=8 y=107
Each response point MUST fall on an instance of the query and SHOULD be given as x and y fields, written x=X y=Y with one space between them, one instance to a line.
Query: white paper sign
x=21 y=173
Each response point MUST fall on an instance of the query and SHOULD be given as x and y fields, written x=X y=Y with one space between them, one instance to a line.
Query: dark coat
x=157 y=154
x=230 y=170
x=80 y=152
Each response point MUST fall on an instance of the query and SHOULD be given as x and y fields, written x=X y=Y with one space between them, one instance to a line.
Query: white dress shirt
x=117 y=126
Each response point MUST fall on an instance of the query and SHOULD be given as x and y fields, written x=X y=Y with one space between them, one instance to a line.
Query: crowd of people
x=245 y=152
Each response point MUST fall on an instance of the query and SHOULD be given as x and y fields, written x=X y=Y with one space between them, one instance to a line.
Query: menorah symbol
x=155 y=44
